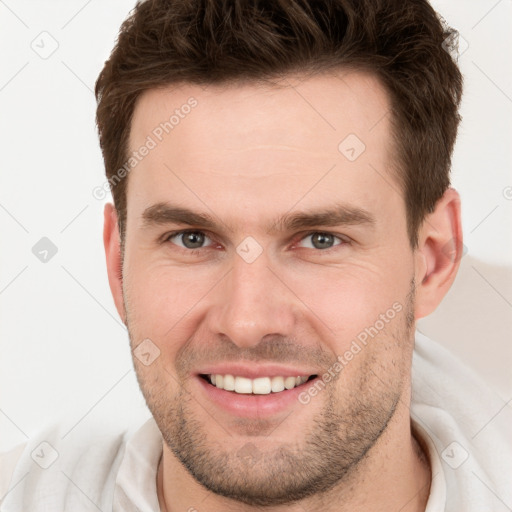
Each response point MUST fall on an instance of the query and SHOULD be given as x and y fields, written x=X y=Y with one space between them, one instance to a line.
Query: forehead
x=259 y=140
x=314 y=112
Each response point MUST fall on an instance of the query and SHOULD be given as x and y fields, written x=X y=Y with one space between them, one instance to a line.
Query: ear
x=112 y=243
x=438 y=254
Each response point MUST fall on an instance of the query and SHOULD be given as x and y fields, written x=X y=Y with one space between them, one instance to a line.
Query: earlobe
x=112 y=244
x=438 y=253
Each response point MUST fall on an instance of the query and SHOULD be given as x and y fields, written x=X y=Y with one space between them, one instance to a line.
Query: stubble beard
x=327 y=453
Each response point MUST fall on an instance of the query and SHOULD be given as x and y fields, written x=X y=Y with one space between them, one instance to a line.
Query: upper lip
x=253 y=371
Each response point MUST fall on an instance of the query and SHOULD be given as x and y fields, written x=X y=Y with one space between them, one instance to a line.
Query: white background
x=64 y=354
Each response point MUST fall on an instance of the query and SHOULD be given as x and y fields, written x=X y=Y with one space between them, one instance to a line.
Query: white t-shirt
x=465 y=427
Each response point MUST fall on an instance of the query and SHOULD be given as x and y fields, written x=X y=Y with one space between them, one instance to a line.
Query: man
x=282 y=216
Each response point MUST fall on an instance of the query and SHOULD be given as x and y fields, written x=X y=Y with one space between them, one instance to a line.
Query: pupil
x=322 y=238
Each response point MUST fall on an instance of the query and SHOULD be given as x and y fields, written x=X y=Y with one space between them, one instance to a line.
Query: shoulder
x=59 y=470
x=8 y=462
x=467 y=423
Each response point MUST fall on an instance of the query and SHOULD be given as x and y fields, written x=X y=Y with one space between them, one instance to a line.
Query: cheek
x=170 y=302
x=161 y=298
x=363 y=323
x=346 y=301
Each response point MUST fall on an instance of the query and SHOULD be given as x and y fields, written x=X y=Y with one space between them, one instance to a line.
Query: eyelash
x=168 y=236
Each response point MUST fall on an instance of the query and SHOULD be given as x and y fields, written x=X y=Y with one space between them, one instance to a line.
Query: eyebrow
x=338 y=215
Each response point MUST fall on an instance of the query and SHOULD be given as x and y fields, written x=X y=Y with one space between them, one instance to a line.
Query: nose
x=253 y=302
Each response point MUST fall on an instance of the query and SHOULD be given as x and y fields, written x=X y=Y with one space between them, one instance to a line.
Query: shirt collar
x=135 y=487
x=437 y=497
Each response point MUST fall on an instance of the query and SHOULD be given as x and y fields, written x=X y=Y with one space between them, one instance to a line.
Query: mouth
x=258 y=386
x=262 y=397
x=255 y=391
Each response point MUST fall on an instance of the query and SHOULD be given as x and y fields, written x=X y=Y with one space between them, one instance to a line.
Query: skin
x=247 y=154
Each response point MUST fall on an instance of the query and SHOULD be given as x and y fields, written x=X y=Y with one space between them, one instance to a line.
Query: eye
x=321 y=240
x=190 y=239
x=194 y=240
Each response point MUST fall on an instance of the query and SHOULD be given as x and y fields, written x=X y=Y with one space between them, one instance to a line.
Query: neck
x=395 y=475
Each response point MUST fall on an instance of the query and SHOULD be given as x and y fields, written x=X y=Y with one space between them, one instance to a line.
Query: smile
x=258 y=386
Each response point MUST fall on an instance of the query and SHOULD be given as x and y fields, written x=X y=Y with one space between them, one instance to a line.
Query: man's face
x=253 y=296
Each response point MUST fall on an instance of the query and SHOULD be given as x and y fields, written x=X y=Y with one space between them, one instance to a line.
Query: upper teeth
x=259 y=386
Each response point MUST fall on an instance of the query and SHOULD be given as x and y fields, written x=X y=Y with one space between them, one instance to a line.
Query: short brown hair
x=202 y=42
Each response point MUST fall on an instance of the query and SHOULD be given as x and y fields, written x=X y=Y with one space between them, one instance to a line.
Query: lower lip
x=254 y=406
